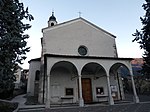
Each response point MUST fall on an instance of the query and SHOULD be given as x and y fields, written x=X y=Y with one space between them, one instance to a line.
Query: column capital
x=48 y=75
x=107 y=76
x=79 y=75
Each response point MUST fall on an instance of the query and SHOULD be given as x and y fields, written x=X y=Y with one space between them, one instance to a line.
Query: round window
x=82 y=50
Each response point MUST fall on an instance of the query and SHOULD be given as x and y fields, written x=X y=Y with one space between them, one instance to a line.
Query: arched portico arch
x=94 y=82
x=65 y=66
x=115 y=80
x=116 y=72
x=63 y=83
x=116 y=66
x=93 y=68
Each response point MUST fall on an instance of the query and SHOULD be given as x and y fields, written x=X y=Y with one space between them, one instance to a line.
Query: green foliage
x=13 y=45
x=7 y=106
x=143 y=38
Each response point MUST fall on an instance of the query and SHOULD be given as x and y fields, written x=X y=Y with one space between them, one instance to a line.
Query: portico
x=78 y=72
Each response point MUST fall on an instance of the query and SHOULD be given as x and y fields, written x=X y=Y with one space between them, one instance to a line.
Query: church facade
x=78 y=64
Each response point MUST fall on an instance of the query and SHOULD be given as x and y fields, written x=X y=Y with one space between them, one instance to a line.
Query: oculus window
x=82 y=50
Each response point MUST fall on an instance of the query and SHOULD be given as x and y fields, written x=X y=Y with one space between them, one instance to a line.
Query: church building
x=78 y=64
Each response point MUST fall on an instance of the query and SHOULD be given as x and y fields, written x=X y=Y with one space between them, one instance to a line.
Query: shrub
x=7 y=106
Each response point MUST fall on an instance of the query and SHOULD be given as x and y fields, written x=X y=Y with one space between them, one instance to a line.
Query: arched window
x=37 y=75
x=52 y=24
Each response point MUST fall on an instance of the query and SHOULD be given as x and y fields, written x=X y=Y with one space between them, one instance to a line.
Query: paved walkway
x=21 y=101
x=125 y=107
x=141 y=107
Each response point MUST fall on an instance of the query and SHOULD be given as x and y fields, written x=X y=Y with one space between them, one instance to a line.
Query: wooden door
x=86 y=90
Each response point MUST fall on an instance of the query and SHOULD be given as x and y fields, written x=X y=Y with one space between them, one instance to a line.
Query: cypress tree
x=143 y=38
x=13 y=44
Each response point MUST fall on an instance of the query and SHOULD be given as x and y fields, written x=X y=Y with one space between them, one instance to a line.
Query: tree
x=13 y=45
x=143 y=38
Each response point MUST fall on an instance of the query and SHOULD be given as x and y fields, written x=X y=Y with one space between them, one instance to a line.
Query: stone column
x=111 y=101
x=121 y=86
x=136 y=98
x=81 y=101
x=48 y=92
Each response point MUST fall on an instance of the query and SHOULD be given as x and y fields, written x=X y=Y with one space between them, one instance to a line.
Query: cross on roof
x=79 y=14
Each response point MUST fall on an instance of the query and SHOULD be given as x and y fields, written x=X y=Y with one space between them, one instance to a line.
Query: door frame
x=90 y=89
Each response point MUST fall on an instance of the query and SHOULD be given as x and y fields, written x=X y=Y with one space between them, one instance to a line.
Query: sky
x=119 y=17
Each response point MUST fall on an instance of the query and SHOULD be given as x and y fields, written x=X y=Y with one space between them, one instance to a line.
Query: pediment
x=75 y=21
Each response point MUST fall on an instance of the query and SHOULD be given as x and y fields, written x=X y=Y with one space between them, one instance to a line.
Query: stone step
x=31 y=108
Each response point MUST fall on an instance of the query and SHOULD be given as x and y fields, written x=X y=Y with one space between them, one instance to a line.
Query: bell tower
x=52 y=20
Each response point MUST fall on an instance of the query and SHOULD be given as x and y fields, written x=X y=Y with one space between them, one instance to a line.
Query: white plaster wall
x=101 y=82
x=18 y=78
x=18 y=75
x=33 y=67
x=66 y=38
x=59 y=80
x=114 y=82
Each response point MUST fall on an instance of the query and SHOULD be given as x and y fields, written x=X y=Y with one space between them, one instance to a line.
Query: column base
x=136 y=99
x=111 y=101
x=47 y=105
x=81 y=102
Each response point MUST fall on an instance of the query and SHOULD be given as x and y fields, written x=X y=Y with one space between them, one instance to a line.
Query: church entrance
x=86 y=90
x=93 y=77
